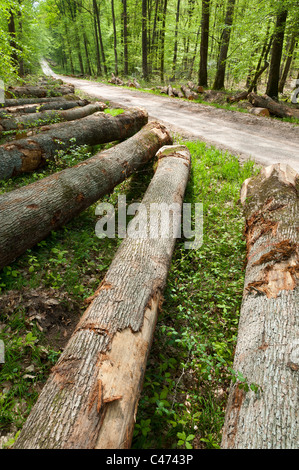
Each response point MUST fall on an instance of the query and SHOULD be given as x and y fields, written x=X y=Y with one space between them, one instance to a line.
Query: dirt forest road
x=264 y=140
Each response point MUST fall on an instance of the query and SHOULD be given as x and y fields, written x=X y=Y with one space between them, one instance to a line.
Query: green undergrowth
x=188 y=373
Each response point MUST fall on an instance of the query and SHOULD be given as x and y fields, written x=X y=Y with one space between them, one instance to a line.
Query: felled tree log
x=35 y=108
x=260 y=112
x=170 y=91
x=239 y=97
x=40 y=119
x=267 y=352
x=39 y=91
x=30 y=213
x=22 y=101
x=25 y=155
x=133 y=84
x=91 y=398
x=275 y=108
x=116 y=80
x=190 y=95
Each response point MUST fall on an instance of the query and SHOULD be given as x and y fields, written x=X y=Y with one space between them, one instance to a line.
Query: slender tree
x=288 y=62
x=125 y=36
x=162 y=62
x=114 y=39
x=204 y=43
x=175 y=51
x=144 y=40
x=225 y=38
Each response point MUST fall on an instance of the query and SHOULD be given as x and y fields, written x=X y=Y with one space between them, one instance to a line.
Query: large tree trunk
x=41 y=119
x=175 y=50
x=30 y=213
x=287 y=66
x=221 y=67
x=267 y=352
x=36 y=108
x=273 y=80
x=204 y=44
x=275 y=108
x=91 y=398
x=39 y=91
x=144 y=40
x=26 y=155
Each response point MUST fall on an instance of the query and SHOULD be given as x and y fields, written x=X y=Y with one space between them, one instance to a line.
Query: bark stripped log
x=91 y=398
x=275 y=108
x=35 y=108
x=22 y=101
x=24 y=121
x=30 y=213
x=25 y=155
x=39 y=91
x=267 y=352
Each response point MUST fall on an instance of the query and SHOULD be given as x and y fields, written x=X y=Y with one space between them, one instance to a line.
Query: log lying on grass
x=22 y=101
x=267 y=352
x=30 y=213
x=40 y=119
x=238 y=97
x=189 y=94
x=25 y=155
x=39 y=91
x=275 y=108
x=35 y=108
x=91 y=398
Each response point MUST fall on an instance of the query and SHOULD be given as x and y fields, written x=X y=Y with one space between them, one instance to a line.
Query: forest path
x=264 y=140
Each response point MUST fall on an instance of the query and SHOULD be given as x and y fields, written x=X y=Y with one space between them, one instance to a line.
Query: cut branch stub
x=90 y=399
x=25 y=155
x=267 y=352
x=30 y=213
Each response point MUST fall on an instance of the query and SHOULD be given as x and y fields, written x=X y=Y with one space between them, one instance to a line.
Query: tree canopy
x=226 y=42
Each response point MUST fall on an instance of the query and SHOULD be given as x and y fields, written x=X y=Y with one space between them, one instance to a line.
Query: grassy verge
x=188 y=373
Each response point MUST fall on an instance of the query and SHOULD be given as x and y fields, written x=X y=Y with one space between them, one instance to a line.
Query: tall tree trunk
x=99 y=68
x=273 y=79
x=96 y=9
x=25 y=155
x=114 y=39
x=204 y=44
x=175 y=51
x=144 y=40
x=221 y=67
x=125 y=34
x=12 y=34
x=78 y=48
x=287 y=66
x=86 y=52
x=21 y=60
x=263 y=407
x=163 y=41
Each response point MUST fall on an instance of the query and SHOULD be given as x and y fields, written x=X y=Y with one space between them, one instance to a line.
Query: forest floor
x=264 y=140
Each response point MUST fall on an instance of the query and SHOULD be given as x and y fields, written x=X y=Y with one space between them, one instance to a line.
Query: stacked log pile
x=25 y=155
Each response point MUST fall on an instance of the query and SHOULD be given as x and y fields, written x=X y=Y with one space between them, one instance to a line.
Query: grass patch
x=188 y=373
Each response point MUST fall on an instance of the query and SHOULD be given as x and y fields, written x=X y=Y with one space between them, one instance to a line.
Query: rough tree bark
x=34 y=108
x=25 y=155
x=91 y=398
x=275 y=108
x=267 y=352
x=278 y=38
x=38 y=91
x=40 y=119
x=30 y=213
